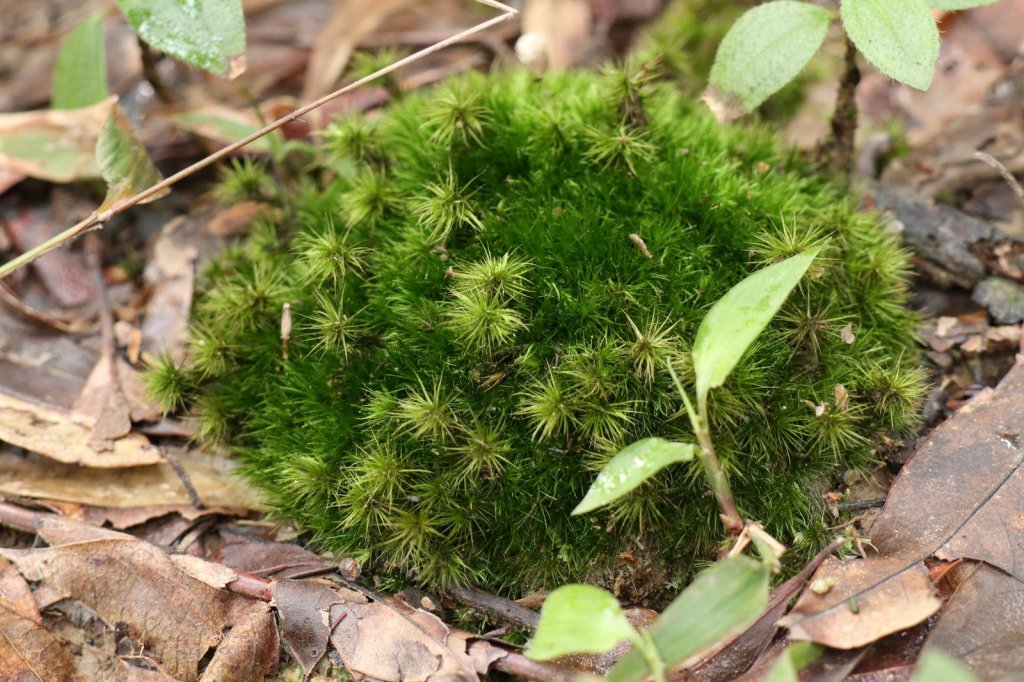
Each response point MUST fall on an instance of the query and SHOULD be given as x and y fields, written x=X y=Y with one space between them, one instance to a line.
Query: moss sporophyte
x=486 y=283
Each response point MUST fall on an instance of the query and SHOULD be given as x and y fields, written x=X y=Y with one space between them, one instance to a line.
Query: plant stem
x=837 y=151
x=98 y=219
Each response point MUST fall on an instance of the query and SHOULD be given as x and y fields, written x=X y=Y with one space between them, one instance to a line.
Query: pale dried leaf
x=171 y=274
x=30 y=653
x=561 y=28
x=205 y=571
x=53 y=433
x=15 y=594
x=102 y=406
x=57 y=146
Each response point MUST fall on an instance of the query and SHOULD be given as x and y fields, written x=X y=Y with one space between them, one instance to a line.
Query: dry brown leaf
x=155 y=490
x=351 y=22
x=305 y=607
x=205 y=571
x=30 y=653
x=561 y=29
x=982 y=623
x=860 y=607
x=236 y=218
x=249 y=651
x=111 y=400
x=15 y=594
x=58 y=146
x=263 y=557
x=171 y=274
x=55 y=434
x=175 y=617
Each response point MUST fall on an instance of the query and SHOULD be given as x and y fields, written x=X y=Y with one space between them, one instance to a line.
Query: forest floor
x=128 y=554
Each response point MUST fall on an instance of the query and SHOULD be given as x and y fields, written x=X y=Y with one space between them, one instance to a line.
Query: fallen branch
x=98 y=219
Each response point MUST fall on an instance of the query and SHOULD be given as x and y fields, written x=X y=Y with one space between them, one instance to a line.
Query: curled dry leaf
x=174 y=616
x=957 y=498
x=53 y=433
x=249 y=651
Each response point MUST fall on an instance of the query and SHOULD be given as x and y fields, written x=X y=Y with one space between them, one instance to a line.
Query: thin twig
x=97 y=220
x=1003 y=171
x=497 y=606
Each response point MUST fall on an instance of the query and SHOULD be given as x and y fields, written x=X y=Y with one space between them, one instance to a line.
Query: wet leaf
x=981 y=625
x=209 y=34
x=898 y=36
x=53 y=433
x=579 y=619
x=124 y=162
x=739 y=317
x=721 y=601
x=937 y=666
x=80 y=77
x=630 y=468
x=57 y=146
x=765 y=49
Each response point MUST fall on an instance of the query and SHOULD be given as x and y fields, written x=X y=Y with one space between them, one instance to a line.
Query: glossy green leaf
x=898 y=36
x=722 y=601
x=765 y=49
x=209 y=34
x=960 y=4
x=579 y=619
x=739 y=317
x=631 y=467
x=80 y=77
x=795 y=658
x=935 y=665
x=124 y=162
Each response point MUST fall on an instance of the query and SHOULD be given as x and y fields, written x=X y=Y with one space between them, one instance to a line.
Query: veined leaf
x=124 y=162
x=898 y=36
x=209 y=34
x=723 y=600
x=960 y=4
x=935 y=665
x=80 y=77
x=739 y=317
x=579 y=619
x=631 y=467
x=765 y=49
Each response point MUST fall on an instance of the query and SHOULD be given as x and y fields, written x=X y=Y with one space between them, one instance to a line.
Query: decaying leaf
x=263 y=557
x=249 y=651
x=15 y=594
x=351 y=22
x=128 y=496
x=171 y=274
x=957 y=498
x=305 y=608
x=29 y=652
x=176 y=617
x=57 y=146
x=103 y=406
x=53 y=433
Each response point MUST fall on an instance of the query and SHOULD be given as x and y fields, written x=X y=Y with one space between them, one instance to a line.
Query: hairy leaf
x=898 y=36
x=739 y=317
x=631 y=467
x=80 y=77
x=721 y=601
x=209 y=34
x=579 y=619
x=763 y=51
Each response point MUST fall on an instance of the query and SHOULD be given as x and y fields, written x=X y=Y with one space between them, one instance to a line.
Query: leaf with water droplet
x=209 y=34
x=579 y=619
x=631 y=467
x=739 y=317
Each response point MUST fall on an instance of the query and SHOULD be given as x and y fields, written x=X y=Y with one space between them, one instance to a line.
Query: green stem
x=644 y=645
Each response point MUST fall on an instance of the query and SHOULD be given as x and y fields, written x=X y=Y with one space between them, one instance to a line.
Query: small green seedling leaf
x=898 y=36
x=209 y=34
x=795 y=658
x=722 y=601
x=936 y=665
x=960 y=4
x=577 y=619
x=631 y=467
x=80 y=77
x=739 y=317
x=124 y=162
x=765 y=49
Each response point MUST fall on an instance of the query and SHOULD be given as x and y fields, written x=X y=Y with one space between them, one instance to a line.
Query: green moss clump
x=485 y=284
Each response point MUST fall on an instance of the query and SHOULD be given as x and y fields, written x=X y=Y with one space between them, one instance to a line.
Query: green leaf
x=765 y=49
x=898 y=36
x=57 y=145
x=209 y=34
x=935 y=665
x=960 y=4
x=631 y=467
x=579 y=619
x=80 y=77
x=795 y=658
x=722 y=601
x=739 y=317
x=124 y=162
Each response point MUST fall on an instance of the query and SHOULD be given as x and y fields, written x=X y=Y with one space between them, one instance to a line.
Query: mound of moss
x=485 y=285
